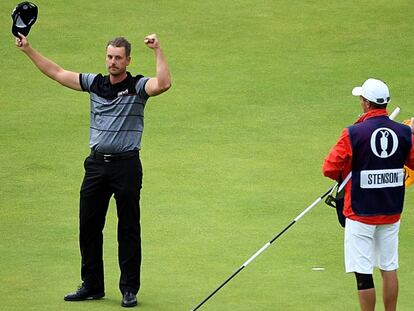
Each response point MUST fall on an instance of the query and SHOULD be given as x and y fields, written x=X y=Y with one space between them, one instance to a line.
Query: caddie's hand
x=152 y=41
x=22 y=43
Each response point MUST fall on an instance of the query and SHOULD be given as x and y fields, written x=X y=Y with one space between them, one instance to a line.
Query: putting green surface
x=231 y=154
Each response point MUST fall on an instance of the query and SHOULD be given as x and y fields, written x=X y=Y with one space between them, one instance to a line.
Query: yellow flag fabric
x=407 y=122
x=409 y=177
x=409 y=174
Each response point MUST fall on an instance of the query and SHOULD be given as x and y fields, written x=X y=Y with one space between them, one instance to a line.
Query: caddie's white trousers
x=369 y=246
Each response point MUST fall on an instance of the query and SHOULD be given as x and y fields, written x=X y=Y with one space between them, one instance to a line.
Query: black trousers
x=121 y=177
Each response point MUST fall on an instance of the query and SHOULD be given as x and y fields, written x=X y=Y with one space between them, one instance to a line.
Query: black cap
x=24 y=16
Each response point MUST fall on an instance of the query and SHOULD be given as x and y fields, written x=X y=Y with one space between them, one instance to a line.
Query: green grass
x=231 y=154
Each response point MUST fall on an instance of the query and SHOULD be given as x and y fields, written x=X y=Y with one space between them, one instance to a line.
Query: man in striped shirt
x=117 y=102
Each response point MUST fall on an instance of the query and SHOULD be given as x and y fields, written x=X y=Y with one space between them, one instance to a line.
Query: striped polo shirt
x=117 y=112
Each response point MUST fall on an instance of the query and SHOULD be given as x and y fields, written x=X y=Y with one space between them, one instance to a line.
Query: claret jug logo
x=384 y=142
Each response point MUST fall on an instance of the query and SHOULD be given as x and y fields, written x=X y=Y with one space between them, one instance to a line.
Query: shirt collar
x=372 y=113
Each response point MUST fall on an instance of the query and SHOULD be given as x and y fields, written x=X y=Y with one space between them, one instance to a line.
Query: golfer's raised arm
x=49 y=68
x=162 y=81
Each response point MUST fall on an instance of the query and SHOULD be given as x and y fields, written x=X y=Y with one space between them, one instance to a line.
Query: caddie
x=375 y=149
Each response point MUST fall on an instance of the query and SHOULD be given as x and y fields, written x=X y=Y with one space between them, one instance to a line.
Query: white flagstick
x=264 y=247
x=395 y=113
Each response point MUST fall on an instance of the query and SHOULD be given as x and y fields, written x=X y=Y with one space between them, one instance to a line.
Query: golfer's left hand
x=152 y=41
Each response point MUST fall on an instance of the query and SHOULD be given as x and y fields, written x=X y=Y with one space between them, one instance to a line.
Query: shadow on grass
x=106 y=303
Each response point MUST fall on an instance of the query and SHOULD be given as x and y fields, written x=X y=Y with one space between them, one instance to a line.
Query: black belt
x=109 y=157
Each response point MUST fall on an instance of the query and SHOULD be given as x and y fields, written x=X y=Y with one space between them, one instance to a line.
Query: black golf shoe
x=84 y=293
x=129 y=300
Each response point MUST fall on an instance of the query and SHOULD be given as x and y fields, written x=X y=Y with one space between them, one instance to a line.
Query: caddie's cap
x=24 y=16
x=374 y=90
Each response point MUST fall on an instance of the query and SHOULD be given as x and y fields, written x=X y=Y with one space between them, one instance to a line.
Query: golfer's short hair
x=121 y=42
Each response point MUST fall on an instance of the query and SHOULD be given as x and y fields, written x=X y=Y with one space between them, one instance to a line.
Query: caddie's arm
x=162 y=81
x=337 y=163
x=49 y=68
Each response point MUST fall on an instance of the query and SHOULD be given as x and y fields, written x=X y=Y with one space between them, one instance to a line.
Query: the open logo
x=384 y=142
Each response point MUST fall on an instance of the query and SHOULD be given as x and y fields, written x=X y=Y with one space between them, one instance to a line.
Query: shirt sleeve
x=140 y=88
x=85 y=80
x=339 y=160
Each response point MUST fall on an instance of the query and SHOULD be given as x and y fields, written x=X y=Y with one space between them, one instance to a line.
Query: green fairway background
x=231 y=154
